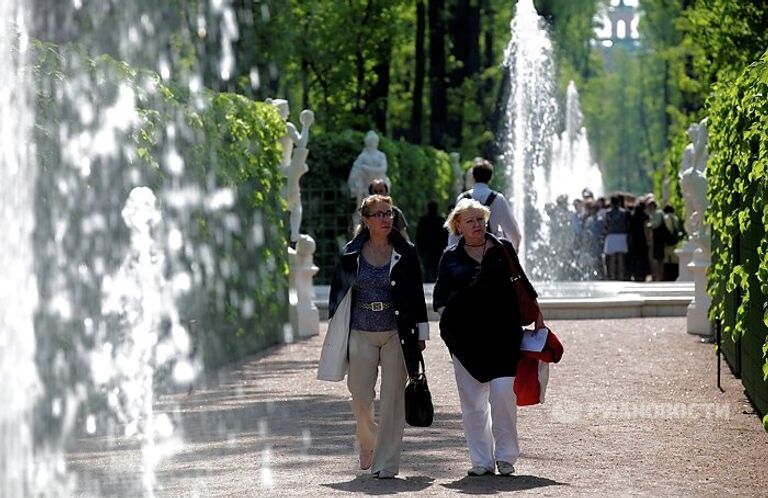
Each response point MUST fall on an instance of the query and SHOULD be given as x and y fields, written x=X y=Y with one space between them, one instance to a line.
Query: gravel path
x=632 y=409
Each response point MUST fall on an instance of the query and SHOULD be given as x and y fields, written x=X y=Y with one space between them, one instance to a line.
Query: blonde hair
x=365 y=208
x=464 y=205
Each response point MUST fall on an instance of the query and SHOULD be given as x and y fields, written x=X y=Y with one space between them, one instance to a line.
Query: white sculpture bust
x=693 y=183
x=370 y=164
x=294 y=162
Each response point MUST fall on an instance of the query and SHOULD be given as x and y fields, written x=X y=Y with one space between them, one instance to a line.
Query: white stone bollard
x=305 y=317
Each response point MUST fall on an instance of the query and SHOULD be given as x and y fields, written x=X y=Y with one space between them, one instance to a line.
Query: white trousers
x=368 y=350
x=489 y=415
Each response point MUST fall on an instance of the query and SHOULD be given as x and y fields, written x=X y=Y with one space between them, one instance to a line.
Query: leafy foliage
x=738 y=192
x=212 y=160
x=418 y=174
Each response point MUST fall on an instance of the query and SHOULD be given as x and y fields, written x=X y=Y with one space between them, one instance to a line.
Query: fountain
x=109 y=229
x=22 y=472
x=572 y=168
x=541 y=166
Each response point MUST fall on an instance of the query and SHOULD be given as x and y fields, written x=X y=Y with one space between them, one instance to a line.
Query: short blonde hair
x=464 y=205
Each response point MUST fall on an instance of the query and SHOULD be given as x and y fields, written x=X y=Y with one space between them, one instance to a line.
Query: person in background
x=658 y=240
x=615 y=246
x=593 y=242
x=379 y=187
x=674 y=230
x=639 y=266
x=481 y=326
x=501 y=223
x=431 y=239
x=387 y=328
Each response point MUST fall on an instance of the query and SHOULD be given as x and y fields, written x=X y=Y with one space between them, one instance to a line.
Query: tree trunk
x=378 y=96
x=465 y=34
x=437 y=83
x=417 y=105
x=488 y=57
x=304 y=83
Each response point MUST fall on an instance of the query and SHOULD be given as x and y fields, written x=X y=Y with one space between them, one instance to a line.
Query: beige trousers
x=368 y=350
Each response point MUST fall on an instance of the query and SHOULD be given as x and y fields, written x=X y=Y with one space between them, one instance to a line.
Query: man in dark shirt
x=431 y=239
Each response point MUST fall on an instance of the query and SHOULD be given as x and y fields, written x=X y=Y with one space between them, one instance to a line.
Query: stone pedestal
x=304 y=315
x=685 y=255
x=697 y=319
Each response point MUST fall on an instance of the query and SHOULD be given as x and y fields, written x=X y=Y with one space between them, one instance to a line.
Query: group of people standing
x=378 y=318
x=629 y=238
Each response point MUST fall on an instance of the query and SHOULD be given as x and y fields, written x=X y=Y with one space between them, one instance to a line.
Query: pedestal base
x=303 y=314
x=684 y=256
x=698 y=310
x=305 y=322
x=697 y=321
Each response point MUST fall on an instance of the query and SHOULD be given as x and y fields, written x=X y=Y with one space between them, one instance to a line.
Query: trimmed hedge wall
x=103 y=128
x=738 y=213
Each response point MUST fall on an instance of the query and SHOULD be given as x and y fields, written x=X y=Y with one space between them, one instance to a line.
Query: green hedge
x=738 y=191
x=418 y=174
x=134 y=129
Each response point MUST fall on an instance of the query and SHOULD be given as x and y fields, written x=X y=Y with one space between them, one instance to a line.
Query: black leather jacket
x=480 y=323
x=407 y=291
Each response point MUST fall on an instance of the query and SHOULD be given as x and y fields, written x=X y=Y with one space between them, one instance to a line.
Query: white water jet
x=125 y=364
x=65 y=370
x=531 y=111
x=541 y=165
x=26 y=467
x=22 y=472
x=572 y=167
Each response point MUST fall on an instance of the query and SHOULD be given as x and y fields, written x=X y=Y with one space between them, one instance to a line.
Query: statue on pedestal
x=371 y=164
x=294 y=162
x=693 y=183
x=303 y=312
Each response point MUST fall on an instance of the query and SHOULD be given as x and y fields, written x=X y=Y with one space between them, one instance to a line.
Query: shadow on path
x=371 y=486
x=499 y=484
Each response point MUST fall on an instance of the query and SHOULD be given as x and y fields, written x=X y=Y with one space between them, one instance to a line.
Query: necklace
x=474 y=254
x=474 y=245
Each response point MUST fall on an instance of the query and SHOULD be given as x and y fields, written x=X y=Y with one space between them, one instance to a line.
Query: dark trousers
x=616 y=266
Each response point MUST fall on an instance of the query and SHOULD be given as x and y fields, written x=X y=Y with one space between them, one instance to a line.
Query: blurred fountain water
x=541 y=165
x=531 y=114
x=572 y=168
x=126 y=359
x=20 y=389
x=91 y=272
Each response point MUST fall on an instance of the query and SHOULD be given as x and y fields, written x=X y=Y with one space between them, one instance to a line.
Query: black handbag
x=419 y=411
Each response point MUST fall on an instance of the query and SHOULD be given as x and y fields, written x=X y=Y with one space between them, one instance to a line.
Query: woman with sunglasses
x=378 y=316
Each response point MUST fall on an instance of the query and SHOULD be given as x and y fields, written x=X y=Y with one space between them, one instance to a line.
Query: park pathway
x=632 y=409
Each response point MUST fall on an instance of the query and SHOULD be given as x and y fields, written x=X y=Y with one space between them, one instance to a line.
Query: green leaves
x=738 y=213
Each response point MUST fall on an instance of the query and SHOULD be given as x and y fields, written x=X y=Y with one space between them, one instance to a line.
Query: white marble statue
x=294 y=162
x=693 y=183
x=370 y=164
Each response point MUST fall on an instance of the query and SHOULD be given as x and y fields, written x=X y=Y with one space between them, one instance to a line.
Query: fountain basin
x=587 y=300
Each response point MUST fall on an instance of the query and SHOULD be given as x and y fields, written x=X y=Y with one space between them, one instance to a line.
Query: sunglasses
x=381 y=214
